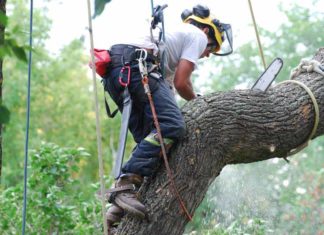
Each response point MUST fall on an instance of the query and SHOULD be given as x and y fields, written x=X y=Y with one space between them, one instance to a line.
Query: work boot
x=114 y=215
x=124 y=195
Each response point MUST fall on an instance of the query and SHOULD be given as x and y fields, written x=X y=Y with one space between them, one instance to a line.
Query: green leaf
x=20 y=53
x=100 y=6
x=4 y=114
x=3 y=19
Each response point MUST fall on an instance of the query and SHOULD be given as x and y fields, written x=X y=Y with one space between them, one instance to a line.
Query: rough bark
x=2 y=31
x=238 y=126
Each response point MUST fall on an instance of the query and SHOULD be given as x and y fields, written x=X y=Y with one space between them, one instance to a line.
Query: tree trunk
x=2 y=31
x=239 y=126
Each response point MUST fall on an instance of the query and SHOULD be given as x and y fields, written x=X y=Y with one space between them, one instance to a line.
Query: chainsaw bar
x=268 y=76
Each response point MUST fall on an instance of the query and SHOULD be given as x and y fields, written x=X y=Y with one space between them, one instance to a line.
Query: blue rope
x=27 y=117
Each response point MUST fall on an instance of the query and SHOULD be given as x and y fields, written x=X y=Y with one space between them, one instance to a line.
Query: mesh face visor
x=222 y=34
x=227 y=38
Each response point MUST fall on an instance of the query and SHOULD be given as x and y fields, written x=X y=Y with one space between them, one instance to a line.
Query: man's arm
x=182 y=79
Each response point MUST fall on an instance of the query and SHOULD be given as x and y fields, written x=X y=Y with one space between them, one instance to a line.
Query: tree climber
x=198 y=37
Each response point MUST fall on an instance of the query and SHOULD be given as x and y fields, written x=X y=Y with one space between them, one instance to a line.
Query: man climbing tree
x=243 y=137
x=198 y=37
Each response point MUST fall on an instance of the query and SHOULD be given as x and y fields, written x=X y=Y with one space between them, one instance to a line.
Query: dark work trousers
x=145 y=157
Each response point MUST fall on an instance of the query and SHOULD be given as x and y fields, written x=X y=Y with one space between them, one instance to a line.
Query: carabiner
x=142 y=62
x=120 y=79
x=143 y=54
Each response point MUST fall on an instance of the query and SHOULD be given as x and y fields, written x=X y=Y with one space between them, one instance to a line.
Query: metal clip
x=142 y=54
x=142 y=62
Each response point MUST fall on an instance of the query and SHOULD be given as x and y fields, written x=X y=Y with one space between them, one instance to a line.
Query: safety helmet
x=220 y=32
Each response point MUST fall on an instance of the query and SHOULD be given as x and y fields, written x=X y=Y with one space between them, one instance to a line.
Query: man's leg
x=146 y=156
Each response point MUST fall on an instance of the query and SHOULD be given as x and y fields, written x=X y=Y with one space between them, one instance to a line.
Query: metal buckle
x=142 y=53
x=141 y=62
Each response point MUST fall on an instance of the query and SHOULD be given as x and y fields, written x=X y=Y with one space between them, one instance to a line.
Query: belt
x=122 y=54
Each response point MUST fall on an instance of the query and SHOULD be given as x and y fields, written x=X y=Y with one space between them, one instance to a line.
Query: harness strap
x=109 y=113
x=122 y=54
x=122 y=188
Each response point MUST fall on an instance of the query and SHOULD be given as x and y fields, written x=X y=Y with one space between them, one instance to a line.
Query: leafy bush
x=54 y=205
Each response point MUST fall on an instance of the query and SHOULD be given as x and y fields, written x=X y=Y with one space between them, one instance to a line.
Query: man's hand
x=182 y=79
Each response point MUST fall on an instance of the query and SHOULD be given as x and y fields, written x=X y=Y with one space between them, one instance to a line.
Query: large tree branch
x=238 y=126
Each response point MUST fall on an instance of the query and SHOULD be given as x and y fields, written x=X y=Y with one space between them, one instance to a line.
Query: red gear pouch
x=102 y=61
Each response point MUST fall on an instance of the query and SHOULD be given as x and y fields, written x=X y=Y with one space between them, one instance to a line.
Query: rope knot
x=308 y=66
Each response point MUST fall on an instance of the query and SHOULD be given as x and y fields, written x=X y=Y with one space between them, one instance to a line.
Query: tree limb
x=239 y=126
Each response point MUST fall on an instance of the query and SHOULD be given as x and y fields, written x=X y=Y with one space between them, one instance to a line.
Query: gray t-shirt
x=187 y=43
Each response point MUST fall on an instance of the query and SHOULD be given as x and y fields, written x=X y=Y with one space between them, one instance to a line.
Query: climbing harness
x=306 y=66
x=98 y=132
x=143 y=70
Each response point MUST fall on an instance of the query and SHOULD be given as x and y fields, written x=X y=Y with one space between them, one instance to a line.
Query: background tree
x=8 y=47
x=2 y=108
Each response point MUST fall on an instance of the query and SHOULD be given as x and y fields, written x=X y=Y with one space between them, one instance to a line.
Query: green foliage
x=100 y=6
x=61 y=103
x=54 y=206
x=10 y=47
x=301 y=196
